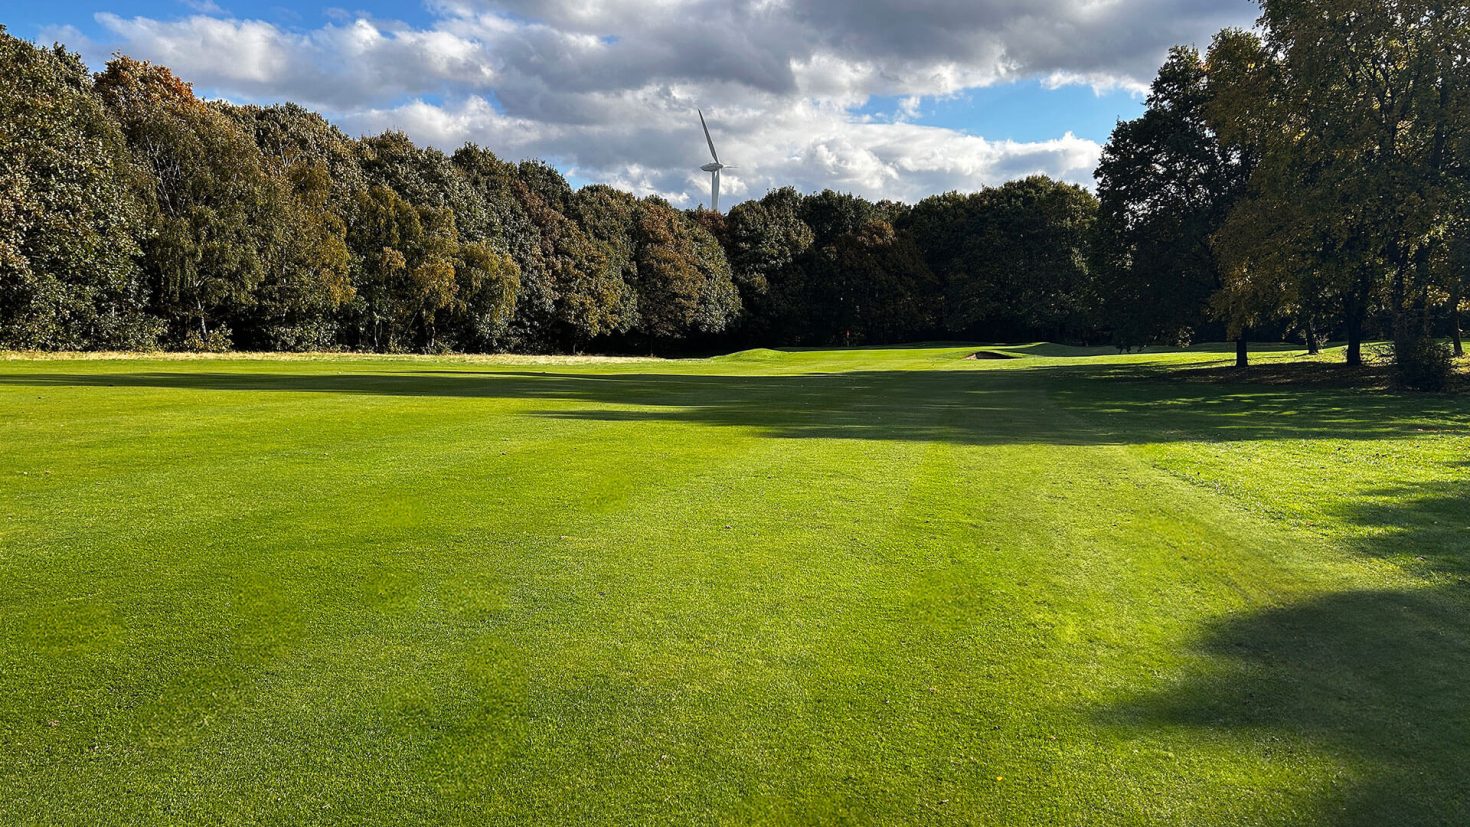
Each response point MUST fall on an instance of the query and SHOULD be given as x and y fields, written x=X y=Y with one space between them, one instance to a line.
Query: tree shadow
x=1047 y=404
x=1379 y=679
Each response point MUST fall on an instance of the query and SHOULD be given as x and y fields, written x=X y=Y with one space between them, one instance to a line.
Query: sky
x=884 y=98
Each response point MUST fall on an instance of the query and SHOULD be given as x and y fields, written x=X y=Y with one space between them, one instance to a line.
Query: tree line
x=136 y=215
x=1303 y=180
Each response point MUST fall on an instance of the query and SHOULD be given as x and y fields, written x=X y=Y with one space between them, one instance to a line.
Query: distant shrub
x=315 y=334
x=129 y=331
x=1423 y=365
x=218 y=341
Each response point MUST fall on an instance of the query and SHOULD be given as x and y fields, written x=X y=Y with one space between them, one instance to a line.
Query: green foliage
x=406 y=263
x=71 y=216
x=221 y=225
x=428 y=178
x=831 y=214
x=1423 y=364
x=1165 y=185
x=516 y=234
x=610 y=219
x=719 y=305
x=945 y=228
x=488 y=283
x=587 y=287
x=765 y=243
x=868 y=286
x=671 y=274
x=1027 y=263
x=1351 y=105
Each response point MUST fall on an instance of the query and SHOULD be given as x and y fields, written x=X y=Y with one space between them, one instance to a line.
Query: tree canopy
x=1306 y=179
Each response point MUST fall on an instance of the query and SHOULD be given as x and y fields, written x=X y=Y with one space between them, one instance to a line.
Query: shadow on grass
x=1066 y=405
x=1379 y=679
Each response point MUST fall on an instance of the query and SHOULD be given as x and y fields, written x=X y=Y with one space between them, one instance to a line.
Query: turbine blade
x=707 y=138
x=714 y=185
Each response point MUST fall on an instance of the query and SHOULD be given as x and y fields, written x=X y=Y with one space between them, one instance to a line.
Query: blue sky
x=888 y=98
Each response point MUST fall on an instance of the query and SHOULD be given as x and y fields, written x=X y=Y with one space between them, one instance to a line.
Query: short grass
x=889 y=585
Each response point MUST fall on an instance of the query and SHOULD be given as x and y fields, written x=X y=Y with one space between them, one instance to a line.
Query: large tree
x=1165 y=184
x=766 y=241
x=71 y=214
x=218 y=217
x=308 y=278
x=944 y=228
x=869 y=286
x=496 y=183
x=610 y=218
x=1355 y=156
x=586 y=287
x=1027 y=272
x=683 y=281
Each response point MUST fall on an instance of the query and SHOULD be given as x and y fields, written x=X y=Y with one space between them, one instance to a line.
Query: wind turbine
x=714 y=168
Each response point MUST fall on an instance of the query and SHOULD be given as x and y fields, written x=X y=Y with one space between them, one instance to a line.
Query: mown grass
x=877 y=585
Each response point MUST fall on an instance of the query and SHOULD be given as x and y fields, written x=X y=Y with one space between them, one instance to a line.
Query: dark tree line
x=1304 y=180
x=134 y=215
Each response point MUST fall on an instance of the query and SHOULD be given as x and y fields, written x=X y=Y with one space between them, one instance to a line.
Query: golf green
x=885 y=585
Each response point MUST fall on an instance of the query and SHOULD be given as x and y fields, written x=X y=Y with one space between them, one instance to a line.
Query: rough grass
x=886 y=585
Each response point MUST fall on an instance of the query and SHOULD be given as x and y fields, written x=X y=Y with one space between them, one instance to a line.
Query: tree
x=494 y=181
x=1165 y=184
x=610 y=218
x=1358 y=116
x=871 y=286
x=1028 y=272
x=670 y=279
x=587 y=290
x=943 y=227
x=719 y=298
x=830 y=214
x=1457 y=277
x=217 y=216
x=488 y=284
x=291 y=137
x=71 y=214
x=405 y=261
x=308 y=278
x=765 y=242
x=426 y=177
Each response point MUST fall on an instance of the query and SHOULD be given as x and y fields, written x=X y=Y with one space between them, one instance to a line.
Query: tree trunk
x=1355 y=345
x=1399 y=298
x=1357 y=313
x=1314 y=342
x=1242 y=352
x=1456 y=295
x=1421 y=289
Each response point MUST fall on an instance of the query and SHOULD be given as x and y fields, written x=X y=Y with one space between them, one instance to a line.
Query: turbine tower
x=713 y=168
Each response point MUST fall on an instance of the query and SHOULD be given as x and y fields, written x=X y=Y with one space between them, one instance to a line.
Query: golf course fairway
x=886 y=585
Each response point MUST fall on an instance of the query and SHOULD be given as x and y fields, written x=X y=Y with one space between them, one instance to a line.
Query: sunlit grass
x=883 y=585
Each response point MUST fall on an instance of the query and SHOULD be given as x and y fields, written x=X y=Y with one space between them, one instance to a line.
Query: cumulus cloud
x=606 y=88
x=334 y=67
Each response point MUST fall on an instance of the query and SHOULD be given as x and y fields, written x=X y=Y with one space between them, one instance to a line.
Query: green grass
x=880 y=585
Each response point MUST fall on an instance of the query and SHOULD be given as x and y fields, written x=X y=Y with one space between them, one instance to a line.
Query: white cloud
x=607 y=87
x=204 y=6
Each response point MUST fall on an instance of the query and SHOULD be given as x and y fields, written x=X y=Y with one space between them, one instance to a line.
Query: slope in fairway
x=873 y=585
